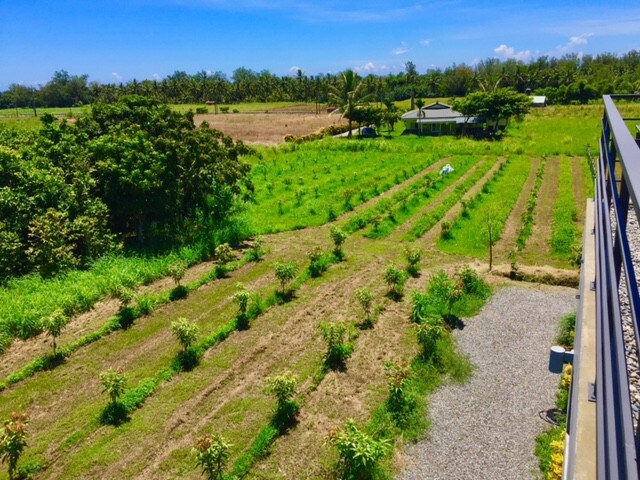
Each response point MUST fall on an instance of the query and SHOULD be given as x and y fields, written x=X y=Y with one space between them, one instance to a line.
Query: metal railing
x=617 y=194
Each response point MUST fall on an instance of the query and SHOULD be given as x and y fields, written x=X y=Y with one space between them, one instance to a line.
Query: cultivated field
x=385 y=194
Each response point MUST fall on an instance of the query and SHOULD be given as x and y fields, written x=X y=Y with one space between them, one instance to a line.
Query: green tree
x=13 y=441
x=53 y=326
x=114 y=383
x=185 y=331
x=496 y=107
x=285 y=272
x=212 y=454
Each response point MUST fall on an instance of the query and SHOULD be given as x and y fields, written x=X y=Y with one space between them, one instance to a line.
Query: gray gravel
x=486 y=428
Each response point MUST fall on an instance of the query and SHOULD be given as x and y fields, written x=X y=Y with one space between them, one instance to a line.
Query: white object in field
x=446 y=169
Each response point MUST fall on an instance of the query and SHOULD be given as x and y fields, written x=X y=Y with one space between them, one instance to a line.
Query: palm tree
x=348 y=95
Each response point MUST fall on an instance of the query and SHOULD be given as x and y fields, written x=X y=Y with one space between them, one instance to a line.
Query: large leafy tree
x=153 y=166
x=496 y=107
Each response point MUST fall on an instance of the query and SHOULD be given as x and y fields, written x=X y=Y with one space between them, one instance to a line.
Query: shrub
x=185 y=331
x=446 y=290
x=177 y=271
x=398 y=375
x=339 y=346
x=242 y=297
x=413 y=256
x=53 y=326
x=223 y=253
x=201 y=110
x=365 y=299
x=124 y=294
x=13 y=441
x=285 y=272
x=283 y=387
x=114 y=383
x=428 y=333
x=566 y=330
x=394 y=278
x=256 y=250
x=224 y=109
x=359 y=453
x=212 y=453
x=471 y=282
x=318 y=263
x=338 y=237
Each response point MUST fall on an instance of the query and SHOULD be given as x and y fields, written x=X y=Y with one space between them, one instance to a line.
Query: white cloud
x=117 y=76
x=157 y=77
x=401 y=50
x=510 y=52
x=295 y=69
x=426 y=42
x=367 y=67
x=574 y=42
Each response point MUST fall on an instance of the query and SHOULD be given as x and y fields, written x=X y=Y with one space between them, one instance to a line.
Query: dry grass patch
x=267 y=128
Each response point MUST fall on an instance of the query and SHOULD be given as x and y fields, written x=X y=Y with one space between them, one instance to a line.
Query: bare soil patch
x=267 y=128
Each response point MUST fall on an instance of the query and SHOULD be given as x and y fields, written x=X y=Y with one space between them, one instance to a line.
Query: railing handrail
x=617 y=440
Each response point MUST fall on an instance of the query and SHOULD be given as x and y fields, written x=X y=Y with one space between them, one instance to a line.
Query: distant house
x=538 y=101
x=440 y=119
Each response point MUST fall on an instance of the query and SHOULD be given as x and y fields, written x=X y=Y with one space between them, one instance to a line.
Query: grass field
x=299 y=189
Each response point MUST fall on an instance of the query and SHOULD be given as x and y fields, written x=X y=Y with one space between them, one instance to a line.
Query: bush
x=285 y=272
x=428 y=333
x=338 y=237
x=339 y=346
x=177 y=271
x=224 y=109
x=201 y=110
x=256 y=250
x=185 y=331
x=242 y=297
x=394 y=278
x=445 y=290
x=398 y=376
x=114 y=383
x=360 y=453
x=223 y=253
x=413 y=256
x=13 y=441
x=283 y=387
x=53 y=326
x=365 y=299
x=212 y=453
x=471 y=282
x=566 y=330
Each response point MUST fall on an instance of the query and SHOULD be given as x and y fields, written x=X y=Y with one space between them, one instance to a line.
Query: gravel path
x=486 y=428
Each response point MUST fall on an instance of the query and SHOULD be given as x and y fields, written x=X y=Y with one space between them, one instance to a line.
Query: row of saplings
x=359 y=452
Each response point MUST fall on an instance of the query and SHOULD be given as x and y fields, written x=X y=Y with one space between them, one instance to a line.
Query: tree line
x=567 y=79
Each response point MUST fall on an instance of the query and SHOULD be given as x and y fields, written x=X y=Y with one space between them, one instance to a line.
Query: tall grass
x=25 y=301
x=492 y=206
x=564 y=231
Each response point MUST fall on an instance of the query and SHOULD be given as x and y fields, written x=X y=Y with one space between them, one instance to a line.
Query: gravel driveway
x=486 y=428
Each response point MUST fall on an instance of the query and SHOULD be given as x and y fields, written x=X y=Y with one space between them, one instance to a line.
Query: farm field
x=268 y=128
x=386 y=194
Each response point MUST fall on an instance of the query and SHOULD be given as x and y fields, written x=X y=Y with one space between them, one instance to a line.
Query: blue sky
x=118 y=40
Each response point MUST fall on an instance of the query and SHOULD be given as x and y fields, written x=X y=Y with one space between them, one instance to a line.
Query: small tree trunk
x=490 y=248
